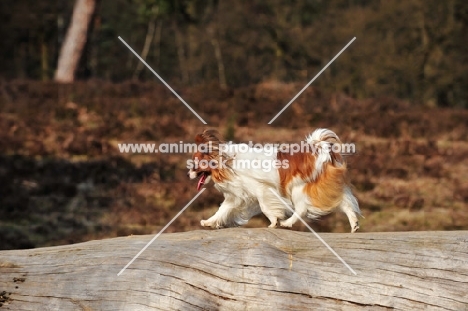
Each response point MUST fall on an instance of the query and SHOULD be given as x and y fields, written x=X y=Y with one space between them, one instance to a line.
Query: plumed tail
x=324 y=144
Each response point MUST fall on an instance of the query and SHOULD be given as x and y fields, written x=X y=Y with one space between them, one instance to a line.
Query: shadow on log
x=242 y=269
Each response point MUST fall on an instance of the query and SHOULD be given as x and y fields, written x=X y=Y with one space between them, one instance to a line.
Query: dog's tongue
x=201 y=181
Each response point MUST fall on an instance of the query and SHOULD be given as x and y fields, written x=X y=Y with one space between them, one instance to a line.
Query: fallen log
x=242 y=269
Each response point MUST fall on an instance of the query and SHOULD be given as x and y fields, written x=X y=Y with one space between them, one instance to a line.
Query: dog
x=313 y=182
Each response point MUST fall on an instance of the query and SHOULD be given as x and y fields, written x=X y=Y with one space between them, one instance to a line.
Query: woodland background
x=400 y=92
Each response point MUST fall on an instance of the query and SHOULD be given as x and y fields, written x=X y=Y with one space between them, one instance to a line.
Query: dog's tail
x=326 y=147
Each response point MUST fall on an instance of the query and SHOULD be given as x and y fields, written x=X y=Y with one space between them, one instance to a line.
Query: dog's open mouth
x=201 y=180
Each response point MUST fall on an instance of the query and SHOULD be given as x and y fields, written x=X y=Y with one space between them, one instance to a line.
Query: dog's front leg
x=219 y=219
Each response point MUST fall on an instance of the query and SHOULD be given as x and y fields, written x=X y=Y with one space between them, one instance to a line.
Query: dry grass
x=64 y=181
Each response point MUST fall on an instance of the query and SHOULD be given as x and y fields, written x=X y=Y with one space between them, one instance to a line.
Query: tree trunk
x=146 y=47
x=181 y=53
x=75 y=41
x=157 y=50
x=44 y=60
x=242 y=269
x=148 y=40
x=219 y=62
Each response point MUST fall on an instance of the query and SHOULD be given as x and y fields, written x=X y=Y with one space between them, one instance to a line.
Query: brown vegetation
x=64 y=180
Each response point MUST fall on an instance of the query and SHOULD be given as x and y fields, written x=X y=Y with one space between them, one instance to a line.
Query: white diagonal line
x=316 y=76
x=162 y=230
x=167 y=85
x=315 y=233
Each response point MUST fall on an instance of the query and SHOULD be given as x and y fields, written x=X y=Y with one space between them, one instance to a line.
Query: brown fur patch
x=300 y=164
x=212 y=140
x=326 y=192
x=220 y=175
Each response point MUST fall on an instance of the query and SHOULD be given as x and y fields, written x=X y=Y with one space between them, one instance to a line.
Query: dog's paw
x=210 y=224
x=356 y=226
x=286 y=223
x=273 y=222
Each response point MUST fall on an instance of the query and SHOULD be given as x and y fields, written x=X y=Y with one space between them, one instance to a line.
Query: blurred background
x=70 y=91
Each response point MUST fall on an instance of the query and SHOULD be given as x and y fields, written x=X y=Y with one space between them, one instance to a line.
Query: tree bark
x=75 y=41
x=242 y=269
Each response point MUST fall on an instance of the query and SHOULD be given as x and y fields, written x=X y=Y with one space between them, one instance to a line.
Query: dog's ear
x=211 y=135
x=199 y=139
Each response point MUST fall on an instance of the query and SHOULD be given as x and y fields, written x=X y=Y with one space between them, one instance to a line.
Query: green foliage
x=147 y=9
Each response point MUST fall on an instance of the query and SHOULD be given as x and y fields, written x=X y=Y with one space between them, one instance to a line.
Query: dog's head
x=205 y=159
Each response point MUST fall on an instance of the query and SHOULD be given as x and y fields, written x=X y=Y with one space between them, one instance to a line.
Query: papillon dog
x=310 y=182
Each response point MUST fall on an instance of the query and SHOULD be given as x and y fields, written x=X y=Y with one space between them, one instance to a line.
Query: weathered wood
x=243 y=269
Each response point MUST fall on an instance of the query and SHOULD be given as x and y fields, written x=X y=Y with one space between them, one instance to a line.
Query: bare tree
x=154 y=29
x=180 y=42
x=219 y=58
x=75 y=40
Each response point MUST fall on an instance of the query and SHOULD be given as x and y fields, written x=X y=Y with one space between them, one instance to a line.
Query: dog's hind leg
x=300 y=207
x=266 y=211
x=350 y=207
x=299 y=212
x=271 y=207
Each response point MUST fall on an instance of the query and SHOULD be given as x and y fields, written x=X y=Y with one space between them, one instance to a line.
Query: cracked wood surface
x=243 y=269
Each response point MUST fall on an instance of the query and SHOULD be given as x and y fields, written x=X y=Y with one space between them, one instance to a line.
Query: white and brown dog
x=312 y=182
